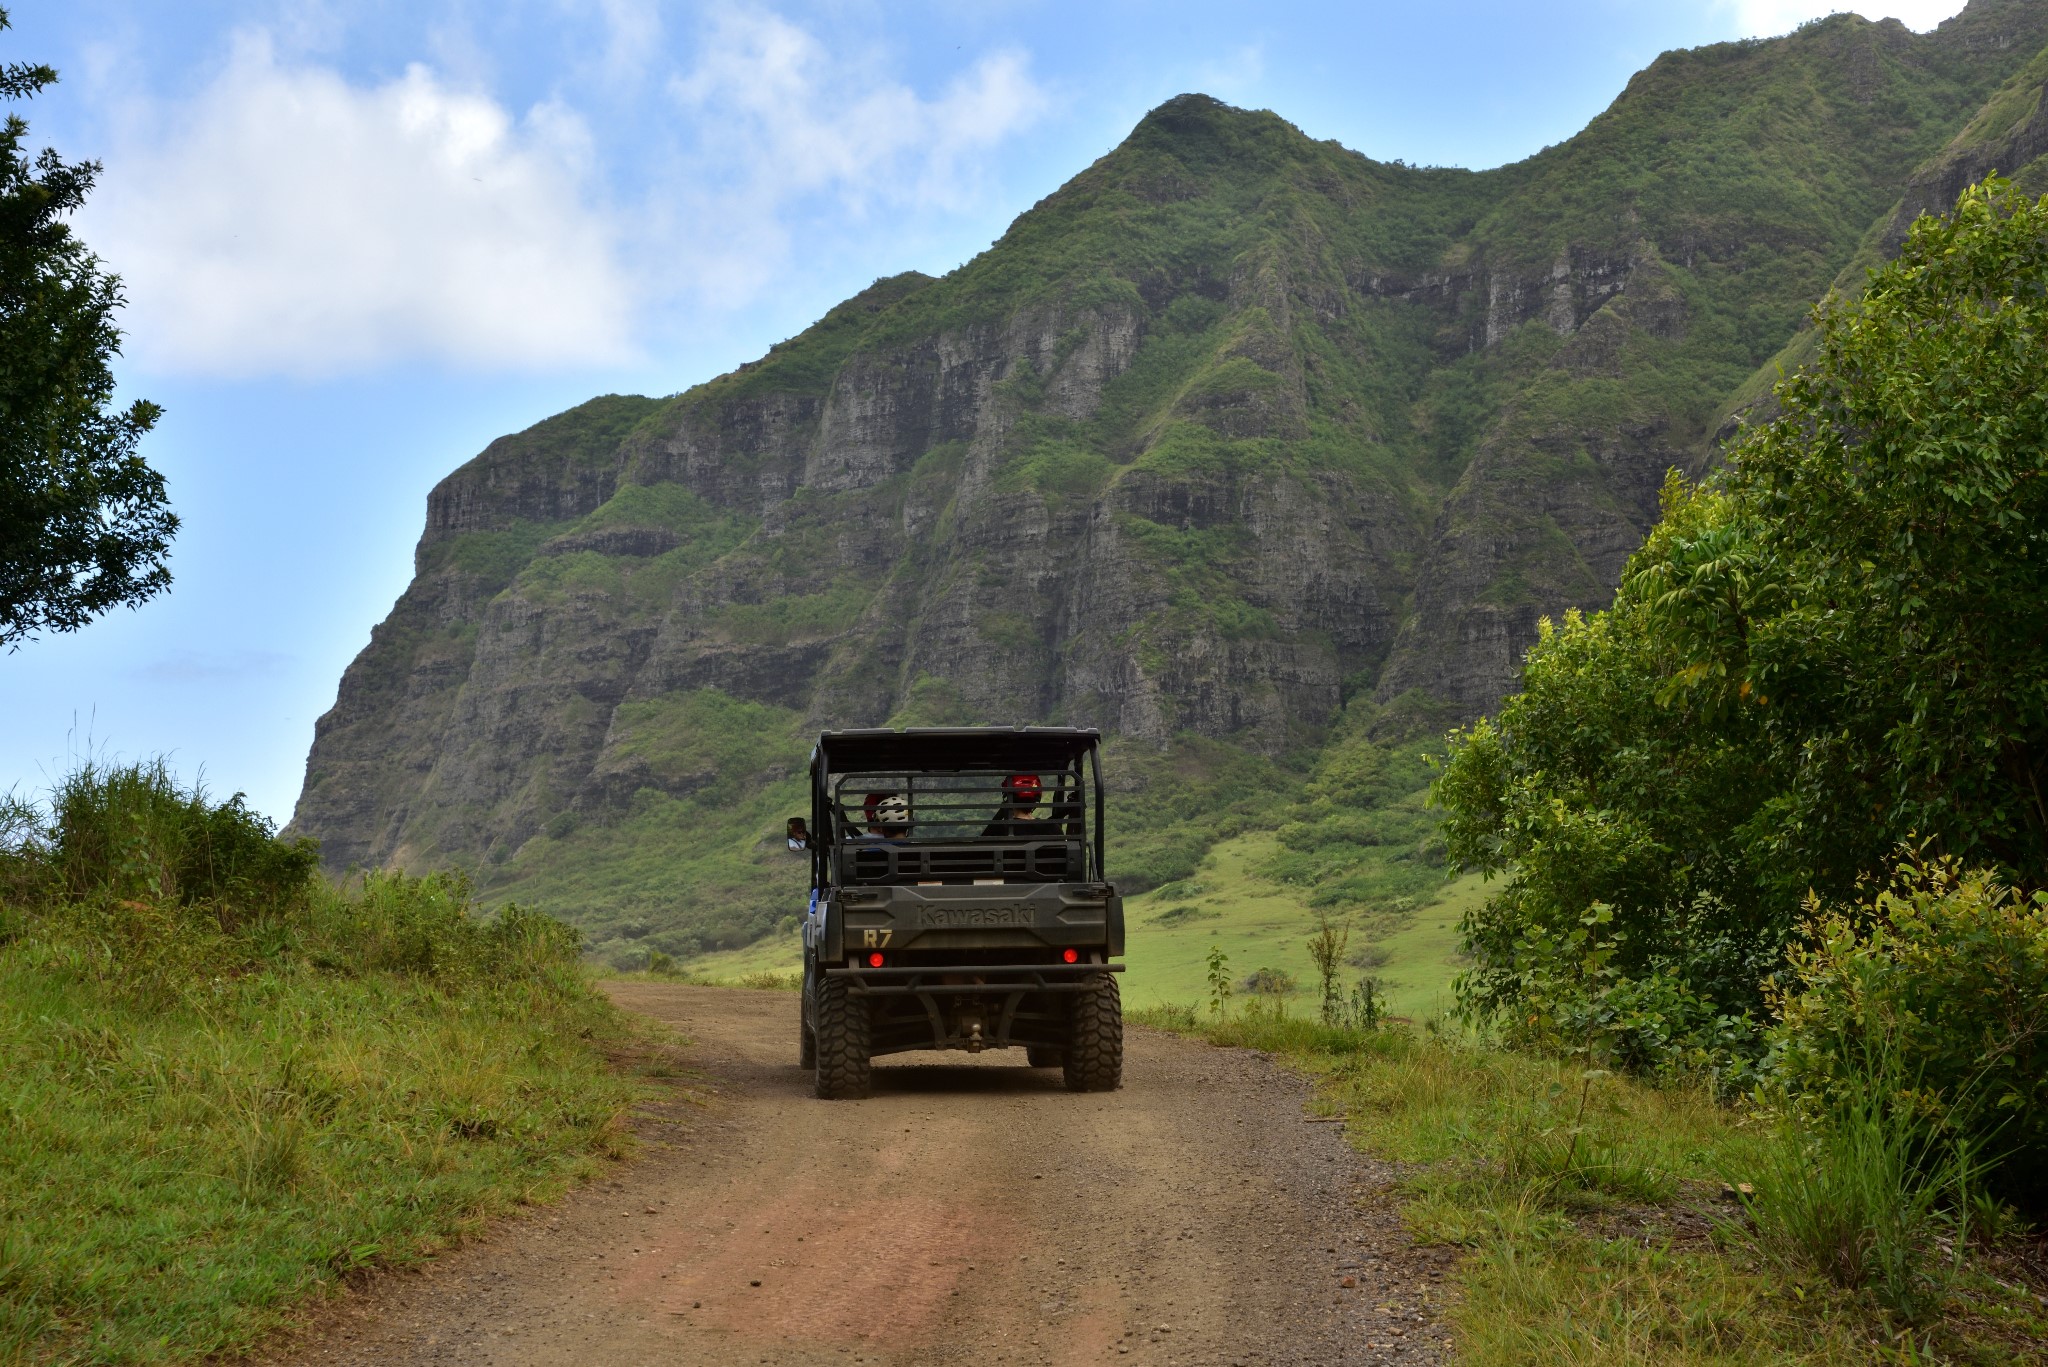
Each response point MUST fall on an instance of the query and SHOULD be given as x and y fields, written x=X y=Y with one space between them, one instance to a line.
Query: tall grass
x=226 y=1083
x=131 y=831
x=1873 y=1193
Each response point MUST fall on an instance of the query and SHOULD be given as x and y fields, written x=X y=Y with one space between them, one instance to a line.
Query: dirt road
x=972 y=1211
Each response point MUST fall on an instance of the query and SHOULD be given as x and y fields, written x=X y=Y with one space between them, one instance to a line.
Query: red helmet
x=1024 y=787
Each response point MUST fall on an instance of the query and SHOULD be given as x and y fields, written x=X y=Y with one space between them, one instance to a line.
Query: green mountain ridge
x=1260 y=455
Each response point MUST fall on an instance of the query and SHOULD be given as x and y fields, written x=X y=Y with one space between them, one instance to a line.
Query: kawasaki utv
x=958 y=902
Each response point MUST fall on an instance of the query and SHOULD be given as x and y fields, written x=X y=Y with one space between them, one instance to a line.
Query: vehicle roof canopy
x=953 y=747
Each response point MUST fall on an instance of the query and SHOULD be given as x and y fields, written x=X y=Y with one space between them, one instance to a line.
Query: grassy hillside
x=225 y=1085
x=1410 y=952
x=693 y=860
x=1408 y=946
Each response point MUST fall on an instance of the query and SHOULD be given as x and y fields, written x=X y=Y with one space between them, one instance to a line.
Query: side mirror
x=799 y=836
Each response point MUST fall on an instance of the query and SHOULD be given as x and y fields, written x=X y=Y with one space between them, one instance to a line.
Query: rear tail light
x=874 y=960
x=1072 y=956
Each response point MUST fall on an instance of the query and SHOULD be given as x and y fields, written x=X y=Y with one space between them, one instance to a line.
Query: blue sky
x=362 y=239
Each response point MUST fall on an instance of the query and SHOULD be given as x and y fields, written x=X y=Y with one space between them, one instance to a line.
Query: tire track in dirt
x=971 y=1211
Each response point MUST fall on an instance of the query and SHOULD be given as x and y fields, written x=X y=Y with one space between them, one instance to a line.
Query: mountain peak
x=1205 y=133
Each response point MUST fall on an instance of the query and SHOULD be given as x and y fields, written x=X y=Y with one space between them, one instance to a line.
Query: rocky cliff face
x=1233 y=427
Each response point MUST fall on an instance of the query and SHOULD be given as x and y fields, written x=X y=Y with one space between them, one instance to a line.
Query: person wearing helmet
x=888 y=816
x=1018 y=815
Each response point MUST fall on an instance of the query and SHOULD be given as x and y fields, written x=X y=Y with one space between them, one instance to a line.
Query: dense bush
x=429 y=927
x=1947 y=971
x=1834 y=645
x=130 y=832
x=1634 y=913
x=157 y=884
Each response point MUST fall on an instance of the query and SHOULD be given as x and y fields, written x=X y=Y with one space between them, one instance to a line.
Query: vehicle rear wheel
x=1094 y=1060
x=840 y=1036
x=806 y=1042
x=1043 y=1056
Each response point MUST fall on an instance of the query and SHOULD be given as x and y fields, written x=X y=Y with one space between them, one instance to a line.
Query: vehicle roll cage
x=951 y=786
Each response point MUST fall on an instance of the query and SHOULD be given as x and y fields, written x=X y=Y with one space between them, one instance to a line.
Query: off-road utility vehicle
x=958 y=902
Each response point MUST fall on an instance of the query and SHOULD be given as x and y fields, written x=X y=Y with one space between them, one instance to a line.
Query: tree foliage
x=84 y=522
x=1948 y=968
x=1834 y=645
x=1902 y=512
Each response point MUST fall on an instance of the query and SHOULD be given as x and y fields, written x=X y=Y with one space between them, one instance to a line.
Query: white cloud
x=203 y=667
x=287 y=221
x=632 y=36
x=779 y=119
x=1768 y=18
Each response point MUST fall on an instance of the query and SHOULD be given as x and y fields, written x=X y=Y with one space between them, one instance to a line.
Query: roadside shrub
x=129 y=833
x=160 y=887
x=1268 y=982
x=1554 y=1146
x=1326 y=947
x=1364 y=1009
x=1949 y=967
x=1573 y=993
x=23 y=862
x=1658 y=1024
x=1864 y=1190
x=1220 y=986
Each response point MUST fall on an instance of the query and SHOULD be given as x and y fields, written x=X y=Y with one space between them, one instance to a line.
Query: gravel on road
x=971 y=1211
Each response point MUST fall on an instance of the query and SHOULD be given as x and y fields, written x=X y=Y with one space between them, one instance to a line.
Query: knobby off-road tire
x=1094 y=1059
x=839 y=1033
x=806 y=1042
x=1043 y=1056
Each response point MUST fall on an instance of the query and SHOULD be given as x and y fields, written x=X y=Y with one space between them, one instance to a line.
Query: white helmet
x=892 y=811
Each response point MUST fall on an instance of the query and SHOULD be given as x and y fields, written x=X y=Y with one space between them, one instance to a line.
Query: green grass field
x=1257 y=922
x=776 y=953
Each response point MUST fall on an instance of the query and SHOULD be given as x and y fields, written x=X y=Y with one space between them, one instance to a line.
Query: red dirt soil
x=971 y=1211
